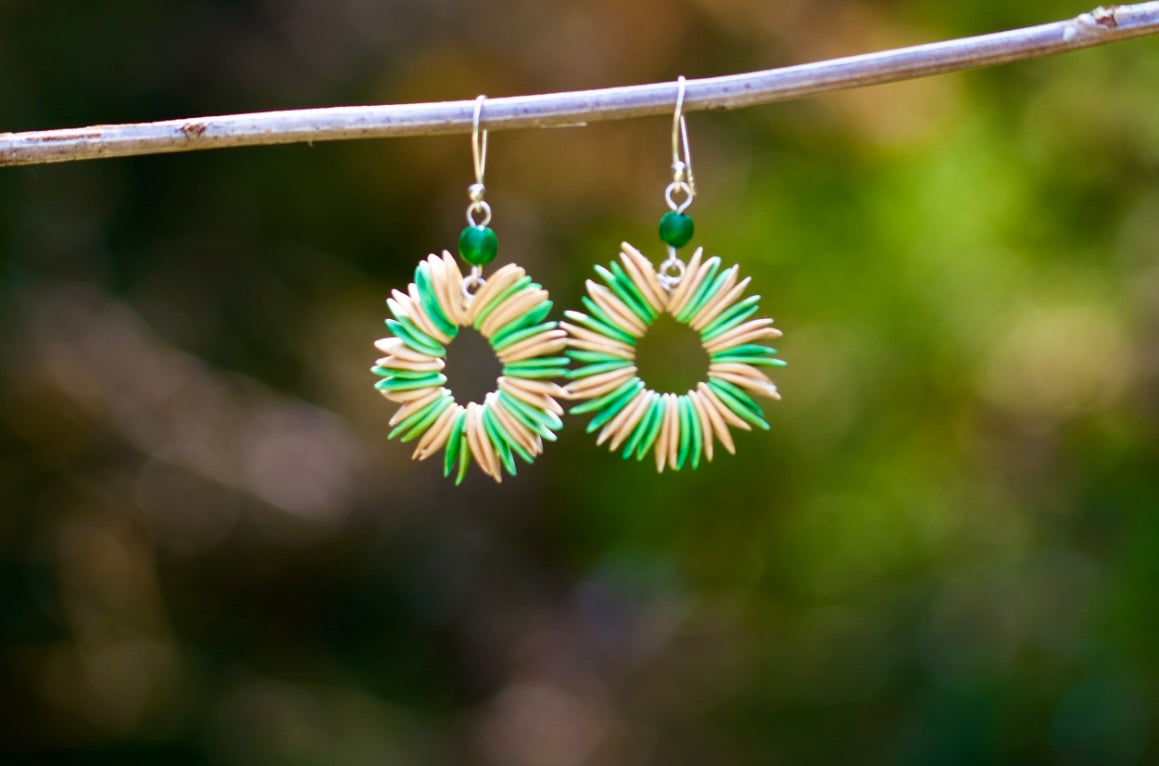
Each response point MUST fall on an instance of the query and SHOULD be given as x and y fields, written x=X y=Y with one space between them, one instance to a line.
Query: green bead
x=478 y=245
x=676 y=228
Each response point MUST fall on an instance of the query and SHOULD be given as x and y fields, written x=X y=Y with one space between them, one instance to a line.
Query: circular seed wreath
x=509 y=310
x=678 y=428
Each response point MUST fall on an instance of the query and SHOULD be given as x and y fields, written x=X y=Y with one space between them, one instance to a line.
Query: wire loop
x=670 y=281
x=471 y=284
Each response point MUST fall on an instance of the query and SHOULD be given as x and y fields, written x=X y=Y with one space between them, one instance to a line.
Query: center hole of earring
x=670 y=358
x=472 y=367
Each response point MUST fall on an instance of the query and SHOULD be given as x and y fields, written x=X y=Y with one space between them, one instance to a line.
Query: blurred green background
x=946 y=551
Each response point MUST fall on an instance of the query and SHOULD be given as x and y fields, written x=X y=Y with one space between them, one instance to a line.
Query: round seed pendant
x=678 y=428
x=508 y=309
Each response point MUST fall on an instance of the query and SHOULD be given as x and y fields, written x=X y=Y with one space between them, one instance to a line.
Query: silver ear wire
x=478 y=206
x=682 y=179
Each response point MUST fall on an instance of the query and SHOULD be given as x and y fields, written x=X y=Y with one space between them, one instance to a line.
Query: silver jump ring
x=683 y=187
x=672 y=264
x=471 y=284
x=481 y=207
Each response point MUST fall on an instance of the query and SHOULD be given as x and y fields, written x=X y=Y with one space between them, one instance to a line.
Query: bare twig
x=1103 y=25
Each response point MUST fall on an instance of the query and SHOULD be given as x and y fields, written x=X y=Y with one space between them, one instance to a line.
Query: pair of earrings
x=510 y=310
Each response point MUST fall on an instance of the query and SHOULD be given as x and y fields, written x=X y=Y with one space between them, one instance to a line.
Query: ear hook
x=479 y=141
x=478 y=206
x=682 y=180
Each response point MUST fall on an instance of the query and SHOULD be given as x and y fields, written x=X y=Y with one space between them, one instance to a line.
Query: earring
x=509 y=310
x=678 y=428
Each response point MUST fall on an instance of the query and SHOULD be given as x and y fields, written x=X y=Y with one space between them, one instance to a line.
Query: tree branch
x=1103 y=25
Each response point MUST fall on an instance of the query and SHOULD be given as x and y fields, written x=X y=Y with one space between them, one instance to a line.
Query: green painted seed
x=464 y=459
x=597 y=326
x=591 y=405
x=522 y=283
x=735 y=400
x=528 y=416
x=632 y=443
x=627 y=287
x=453 y=440
x=426 y=422
x=596 y=369
x=685 y=432
x=537 y=314
x=712 y=265
x=654 y=422
x=694 y=428
x=592 y=357
x=612 y=409
x=509 y=337
x=415 y=338
x=602 y=315
x=693 y=308
x=498 y=437
x=730 y=319
x=431 y=303
x=390 y=384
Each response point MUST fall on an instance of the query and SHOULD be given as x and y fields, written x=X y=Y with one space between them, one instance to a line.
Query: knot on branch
x=1099 y=20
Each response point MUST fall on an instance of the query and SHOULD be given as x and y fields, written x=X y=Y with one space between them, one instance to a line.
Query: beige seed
x=495 y=284
x=705 y=423
x=519 y=432
x=623 y=421
x=762 y=334
x=598 y=385
x=395 y=363
x=691 y=269
x=641 y=405
x=489 y=447
x=439 y=279
x=400 y=305
x=437 y=435
x=533 y=397
x=729 y=417
x=716 y=301
x=416 y=404
x=719 y=427
x=660 y=446
x=546 y=343
x=416 y=299
x=480 y=443
x=514 y=307
x=676 y=305
x=750 y=384
x=402 y=397
x=453 y=288
x=674 y=432
x=536 y=386
x=741 y=334
x=394 y=346
x=740 y=369
x=644 y=275
x=447 y=281
x=705 y=316
x=420 y=317
x=621 y=315
x=593 y=341
x=584 y=345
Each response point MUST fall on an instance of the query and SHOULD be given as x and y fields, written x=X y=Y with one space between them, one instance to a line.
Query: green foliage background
x=946 y=551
